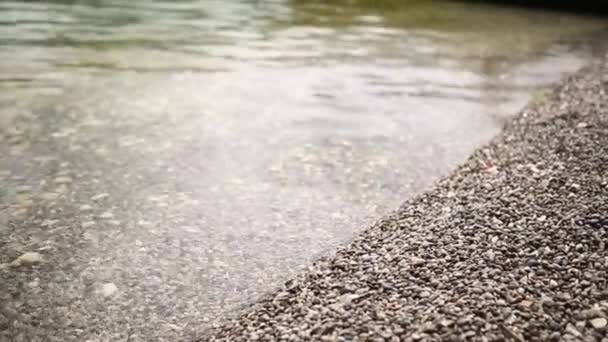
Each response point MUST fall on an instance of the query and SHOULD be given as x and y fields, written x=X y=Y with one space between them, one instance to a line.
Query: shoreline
x=510 y=246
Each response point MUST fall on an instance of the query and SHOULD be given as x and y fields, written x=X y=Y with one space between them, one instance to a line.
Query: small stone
x=8 y=312
x=525 y=304
x=428 y=327
x=580 y=325
x=555 y=336
x=547 y=301
x=582 y=125
x=49 y=223
x=447 y=322
x=598 y=323
x=108 y=290
x=174 y=327
x=87 y=224
x=85 y=207
x=26 y=259
x=553 y=283
x=49 y=196
x=100 y=196
x=477 y=290
x=416 y=336
x=592 y=313
x=106 y=215
x=487 y=296
x=570 y=329
x=62 y=180
x=416 y=261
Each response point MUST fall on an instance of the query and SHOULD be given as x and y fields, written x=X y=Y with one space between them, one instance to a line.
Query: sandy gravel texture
x=511 y=246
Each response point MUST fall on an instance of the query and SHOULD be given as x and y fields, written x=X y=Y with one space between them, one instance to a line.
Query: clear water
x=196 y=153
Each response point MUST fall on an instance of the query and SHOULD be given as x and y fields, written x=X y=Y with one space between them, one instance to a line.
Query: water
x=196 y=153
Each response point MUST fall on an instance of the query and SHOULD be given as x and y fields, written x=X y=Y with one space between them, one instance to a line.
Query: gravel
x=511 y=246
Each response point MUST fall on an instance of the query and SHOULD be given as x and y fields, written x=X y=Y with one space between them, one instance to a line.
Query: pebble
x=62 y=180
x=85 y=207
x=599 y=323
x=108 y=290
x=106 y=215
x=87 y=224
x=416 y=261
x=49 y=223
x=49 y=196
x=525 y=304
x=27 y=259
x=99 y=197
x=571 y=329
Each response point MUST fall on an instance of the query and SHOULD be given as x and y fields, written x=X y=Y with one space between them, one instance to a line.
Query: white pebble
x=99 y=196
x=62 y=180
x=28 y=258
x=106 y=215
x=108 y=290
x=599 y=323
x=85 y=207
x=417 y=261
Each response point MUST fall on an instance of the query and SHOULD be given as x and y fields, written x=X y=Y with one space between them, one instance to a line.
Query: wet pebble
x=100 y=197
x=85 y=207
x=27 y=259
x=108 y=290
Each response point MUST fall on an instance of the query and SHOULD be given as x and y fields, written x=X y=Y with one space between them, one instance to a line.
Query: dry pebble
x=520 y=255
x=599 y=323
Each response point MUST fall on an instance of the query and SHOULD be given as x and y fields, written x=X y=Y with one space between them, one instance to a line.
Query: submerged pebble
x=27 y=259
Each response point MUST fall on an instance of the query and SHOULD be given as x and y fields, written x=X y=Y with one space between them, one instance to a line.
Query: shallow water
x=196 y=153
